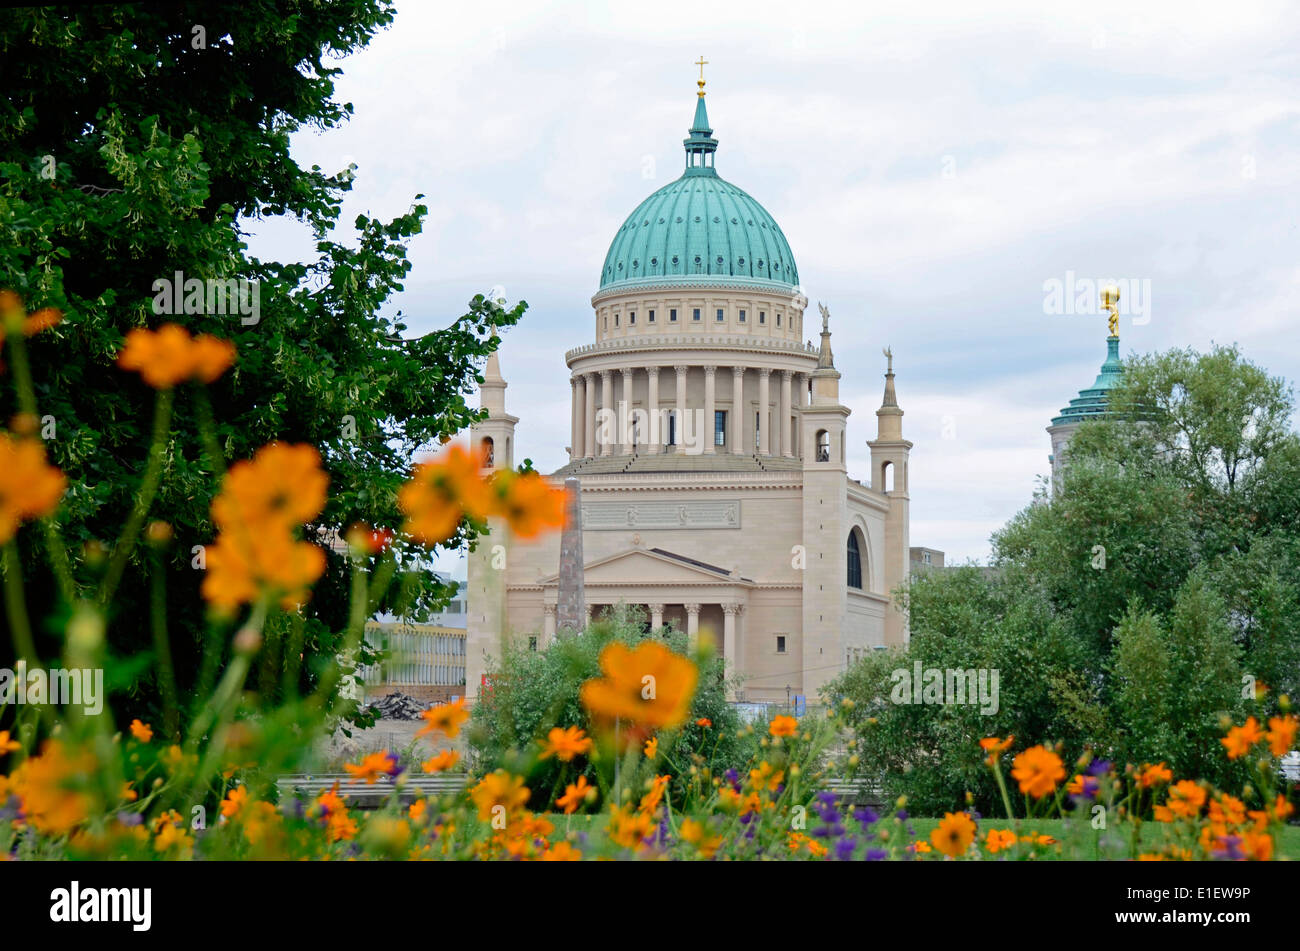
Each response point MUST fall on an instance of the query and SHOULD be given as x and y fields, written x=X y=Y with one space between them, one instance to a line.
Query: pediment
x=641 y=566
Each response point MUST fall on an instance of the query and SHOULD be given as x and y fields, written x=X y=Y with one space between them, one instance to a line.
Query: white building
x=710 y=442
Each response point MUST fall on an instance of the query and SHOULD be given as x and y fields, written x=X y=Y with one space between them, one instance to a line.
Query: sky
x=935 y=167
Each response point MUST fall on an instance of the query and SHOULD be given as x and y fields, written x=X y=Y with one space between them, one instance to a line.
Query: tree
x=137 y=141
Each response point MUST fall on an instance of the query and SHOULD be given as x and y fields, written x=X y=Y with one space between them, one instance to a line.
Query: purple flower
x=732 y=777
x=130 y=818
x=866 y=815
x=1229 y=847
x=901 y=815
x=1098 y=767
x=844 y=848
x=876 y=855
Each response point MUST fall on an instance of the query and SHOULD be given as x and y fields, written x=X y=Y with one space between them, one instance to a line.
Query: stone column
x=729 y=612
x=625 y=412
x=589 y=426
x=692 y=626
x=785 y=413
x=575 y=438
x=655 y=437
x=607 y=407
x=764 y=436
x=709 y=404
x=737 y=410
x=680 y=448
x=548 y=623
x=656 y=616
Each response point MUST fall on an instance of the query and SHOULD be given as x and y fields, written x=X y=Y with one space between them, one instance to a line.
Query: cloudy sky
x=934 y=166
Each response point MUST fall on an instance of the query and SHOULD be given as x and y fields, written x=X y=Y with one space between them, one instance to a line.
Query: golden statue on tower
x=1110 y=301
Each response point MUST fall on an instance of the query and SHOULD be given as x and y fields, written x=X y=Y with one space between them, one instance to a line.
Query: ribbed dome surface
x=699 y=225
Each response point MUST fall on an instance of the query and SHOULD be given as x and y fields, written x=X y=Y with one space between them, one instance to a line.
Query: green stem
x=163 y=651
x=148 y=488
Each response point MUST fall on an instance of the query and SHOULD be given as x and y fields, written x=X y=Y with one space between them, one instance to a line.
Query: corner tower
x=889 y=463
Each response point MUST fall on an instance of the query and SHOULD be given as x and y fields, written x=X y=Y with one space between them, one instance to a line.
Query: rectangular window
x=651 y=318
x=631 y=317
x=672 y=315
x=742 y=317
x=672 y=428
x=720 y=317
x=616 y=320
x=532 y=643
x=762 y=316
x=757 y=417
x=780 y=643
x=778 y=320
x=719 y=427
x=695 y=314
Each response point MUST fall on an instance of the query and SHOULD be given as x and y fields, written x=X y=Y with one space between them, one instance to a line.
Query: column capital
x=737 y=371
x=731 y=608
x=681 y=368
x=627 y=371
x=692 y=609
x=657 y=609
x=764 y=372
x=575 y=380
x=787 y=375
x=606 y=375
x=709 y=371
x=651 y=370
x=550 y=610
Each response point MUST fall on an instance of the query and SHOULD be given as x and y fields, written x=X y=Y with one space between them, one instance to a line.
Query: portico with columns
x=711 y=448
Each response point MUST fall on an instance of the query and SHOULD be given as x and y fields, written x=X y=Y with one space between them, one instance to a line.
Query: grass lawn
x=1086 y=838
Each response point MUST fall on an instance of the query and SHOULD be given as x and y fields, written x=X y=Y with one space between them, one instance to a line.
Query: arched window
x=489 y=451
x=855 y=561
x=823 y=446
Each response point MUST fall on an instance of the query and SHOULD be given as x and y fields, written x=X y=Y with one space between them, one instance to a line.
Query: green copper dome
x=1091 y=403
x=700 y=229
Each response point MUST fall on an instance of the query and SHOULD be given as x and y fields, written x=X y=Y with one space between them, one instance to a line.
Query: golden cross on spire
x=701 y=62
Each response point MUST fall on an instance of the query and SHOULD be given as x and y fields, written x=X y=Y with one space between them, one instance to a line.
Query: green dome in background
x=1093 y=402
x=700 y=229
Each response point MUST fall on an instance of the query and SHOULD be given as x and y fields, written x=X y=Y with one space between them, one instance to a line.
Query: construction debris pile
x=397 y=706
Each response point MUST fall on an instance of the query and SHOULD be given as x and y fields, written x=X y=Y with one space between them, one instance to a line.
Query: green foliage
x=535 y=690
x=129 y=151
x=963 y=619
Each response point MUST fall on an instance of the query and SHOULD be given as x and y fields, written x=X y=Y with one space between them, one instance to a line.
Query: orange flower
x=695 y=833
x=998 y=840
x=650 y=801
x=442 y=492
x=29 y=487
x=995 y=747
x=574 y=795
x=765 y=777
x=527 y=502
x=1241 y=738
x=1149 y=775
x=565 y=744
x=234 y=802
x=783 y=726
x=280 y=487
x=1281 y=734
x=213 y=356
x=141 y=731
x=50 y=787
x=562 y=852
x=443 y=761
x=499 y=790
x=373 y=766
x=163 y=357
x=704 y=722
x=629 y=829
x=650 y=686
x=238 y=573
x=1038 y=770
x=1186 y=799
x=6 y=744
x=954 y=834
x=42 y=319
x=338 y=825
x=919 y=846
x=417 y=810
x=652 y=747
x=445 y=718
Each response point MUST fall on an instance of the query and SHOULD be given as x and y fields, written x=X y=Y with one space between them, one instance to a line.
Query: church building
x=710 y=444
